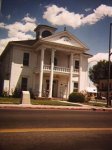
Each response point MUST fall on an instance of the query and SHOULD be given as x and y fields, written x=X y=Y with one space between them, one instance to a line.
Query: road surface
x=55 y=130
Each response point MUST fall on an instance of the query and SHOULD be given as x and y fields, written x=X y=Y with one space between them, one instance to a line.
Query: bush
x=76 y=97
x=17 y=93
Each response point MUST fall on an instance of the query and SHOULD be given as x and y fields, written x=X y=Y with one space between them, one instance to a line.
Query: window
x=76 y=65
x=46 y=33
x=26 y=59
x=65 y=38
x=75 y=86
x=24 y=82
x=55 y=61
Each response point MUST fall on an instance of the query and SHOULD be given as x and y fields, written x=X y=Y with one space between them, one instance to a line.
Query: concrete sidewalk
x=30 y=106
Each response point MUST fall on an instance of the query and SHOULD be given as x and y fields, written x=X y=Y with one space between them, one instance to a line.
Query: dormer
x=43 y=31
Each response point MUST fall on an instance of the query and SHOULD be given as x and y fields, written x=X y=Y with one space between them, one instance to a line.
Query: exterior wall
x=83 y=73
x=37 y=60
x=5 y=69
x=18 y=70
x=62 y=59
x=47 y=57
x=36 y=84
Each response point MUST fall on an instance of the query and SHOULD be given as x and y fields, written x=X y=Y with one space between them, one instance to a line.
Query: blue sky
x=87 y=19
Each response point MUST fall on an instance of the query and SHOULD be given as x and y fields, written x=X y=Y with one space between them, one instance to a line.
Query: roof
x=25 y=42
x=89 y=55
x=52 y=39
x=41 y=26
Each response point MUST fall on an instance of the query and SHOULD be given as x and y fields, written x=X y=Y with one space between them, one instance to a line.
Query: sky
x=89 y=20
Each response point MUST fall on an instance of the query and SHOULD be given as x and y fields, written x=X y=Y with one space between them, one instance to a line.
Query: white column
x=80 y=72
x=71 y=74
x=51 y=75
x=41 y=73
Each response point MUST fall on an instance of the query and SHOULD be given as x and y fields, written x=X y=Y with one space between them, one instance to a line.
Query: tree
x=100 y=71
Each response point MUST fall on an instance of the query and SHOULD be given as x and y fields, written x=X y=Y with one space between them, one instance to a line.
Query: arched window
x=46 y=33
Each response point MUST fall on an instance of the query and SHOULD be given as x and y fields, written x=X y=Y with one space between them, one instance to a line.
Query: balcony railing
x=47 y=67
x=59 y=69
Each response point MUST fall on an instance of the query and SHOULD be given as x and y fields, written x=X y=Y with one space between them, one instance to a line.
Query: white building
x=55 y=62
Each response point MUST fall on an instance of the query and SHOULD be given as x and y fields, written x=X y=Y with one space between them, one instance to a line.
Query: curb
x=48 y=107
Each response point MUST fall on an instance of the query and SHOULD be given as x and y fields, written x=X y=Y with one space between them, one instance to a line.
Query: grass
x=97 y=104
x=7 y=100
x=51 y=102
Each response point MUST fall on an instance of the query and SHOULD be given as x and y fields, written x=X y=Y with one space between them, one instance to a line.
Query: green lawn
x=97 y=104
x=4 y=100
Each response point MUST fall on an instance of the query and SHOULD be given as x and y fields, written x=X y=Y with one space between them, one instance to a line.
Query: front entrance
x=55 y=87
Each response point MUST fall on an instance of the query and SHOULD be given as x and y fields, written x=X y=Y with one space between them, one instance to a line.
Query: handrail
x=59 y=69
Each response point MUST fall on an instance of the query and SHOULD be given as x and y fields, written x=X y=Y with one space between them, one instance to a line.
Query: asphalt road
x=55 y=130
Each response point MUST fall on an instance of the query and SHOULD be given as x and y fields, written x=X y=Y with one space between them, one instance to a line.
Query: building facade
x=53 y=65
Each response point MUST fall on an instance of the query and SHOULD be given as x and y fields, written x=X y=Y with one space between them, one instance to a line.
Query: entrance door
x=55 y=88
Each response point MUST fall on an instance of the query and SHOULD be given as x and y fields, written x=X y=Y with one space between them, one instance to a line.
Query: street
x=55 y=129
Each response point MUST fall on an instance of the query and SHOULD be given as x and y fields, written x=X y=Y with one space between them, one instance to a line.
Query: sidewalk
x=30 y=106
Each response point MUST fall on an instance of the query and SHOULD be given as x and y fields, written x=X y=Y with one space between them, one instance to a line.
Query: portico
x=53 y=69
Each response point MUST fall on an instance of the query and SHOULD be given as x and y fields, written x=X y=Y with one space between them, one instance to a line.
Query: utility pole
x=109 y=55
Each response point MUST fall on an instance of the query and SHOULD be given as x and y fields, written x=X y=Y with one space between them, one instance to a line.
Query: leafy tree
x=100 y=71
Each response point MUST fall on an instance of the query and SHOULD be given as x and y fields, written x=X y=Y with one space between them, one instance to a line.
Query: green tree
x=100 y=71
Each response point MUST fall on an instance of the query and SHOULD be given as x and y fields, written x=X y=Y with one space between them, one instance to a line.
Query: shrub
x=76 y=97
x=5 y=94
x=17 y=93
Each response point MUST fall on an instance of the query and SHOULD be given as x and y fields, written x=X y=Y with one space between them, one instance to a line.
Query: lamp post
x=109 y=55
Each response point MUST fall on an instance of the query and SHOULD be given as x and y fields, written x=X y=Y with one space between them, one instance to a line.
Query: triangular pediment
x=65 y=38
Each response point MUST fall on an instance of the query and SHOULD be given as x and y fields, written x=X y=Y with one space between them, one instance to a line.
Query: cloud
x=87 y=9
x=99 y=56
x=18 y=31
x=99 y=13
x=2 y=25
x=29 y=19
x=8 y=16
x=61 y=16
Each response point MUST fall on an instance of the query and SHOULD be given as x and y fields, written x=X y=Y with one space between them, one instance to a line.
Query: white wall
x=18 y=70
x=83 y=83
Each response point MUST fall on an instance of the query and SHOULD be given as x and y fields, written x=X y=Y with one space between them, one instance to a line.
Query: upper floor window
x=26 y=59
x=55 y=61
x=76 y=65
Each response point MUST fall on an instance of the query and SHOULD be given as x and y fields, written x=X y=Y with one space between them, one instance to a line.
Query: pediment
x=65 y=38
